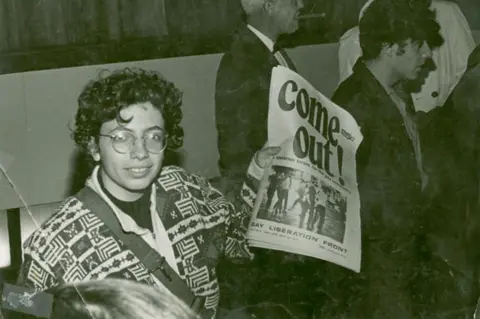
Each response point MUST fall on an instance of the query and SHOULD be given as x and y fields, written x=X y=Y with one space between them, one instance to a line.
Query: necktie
x=282 y=58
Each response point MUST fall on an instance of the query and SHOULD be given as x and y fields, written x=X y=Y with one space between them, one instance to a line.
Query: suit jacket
x=241 y=102
x=241 y=109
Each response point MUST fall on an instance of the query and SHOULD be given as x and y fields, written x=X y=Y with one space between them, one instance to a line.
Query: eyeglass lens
x=125 y=142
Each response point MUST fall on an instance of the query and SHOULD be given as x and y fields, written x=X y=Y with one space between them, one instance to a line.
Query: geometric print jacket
x=75 y=245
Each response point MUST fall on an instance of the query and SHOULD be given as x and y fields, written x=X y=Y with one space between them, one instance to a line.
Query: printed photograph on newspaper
x=308 y=201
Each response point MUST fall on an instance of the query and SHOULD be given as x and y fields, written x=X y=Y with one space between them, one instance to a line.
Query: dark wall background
x=36 y=24
x=46 y=34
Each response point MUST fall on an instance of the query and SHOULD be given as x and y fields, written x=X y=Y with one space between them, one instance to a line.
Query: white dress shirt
x=270 y=45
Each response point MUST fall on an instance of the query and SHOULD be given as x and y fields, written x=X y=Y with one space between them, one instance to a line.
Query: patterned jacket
x=200 y=224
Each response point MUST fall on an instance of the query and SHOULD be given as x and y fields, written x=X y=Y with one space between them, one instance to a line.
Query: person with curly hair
x=408 y=165
x=449 y=59
x=396 y=37
x=125 y=122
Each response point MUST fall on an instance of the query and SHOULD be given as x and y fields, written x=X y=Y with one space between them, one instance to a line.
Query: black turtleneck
x=139 y=210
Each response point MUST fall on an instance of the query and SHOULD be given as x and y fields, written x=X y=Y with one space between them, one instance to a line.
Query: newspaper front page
x=308 y=201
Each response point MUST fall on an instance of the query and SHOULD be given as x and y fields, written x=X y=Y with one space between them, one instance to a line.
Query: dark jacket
x=391 y=207
x=389 y=180
x=452 y=153
x=455 y=126
x=241 y=102
x=409 y=234
x=463 y=106
x=241 y=110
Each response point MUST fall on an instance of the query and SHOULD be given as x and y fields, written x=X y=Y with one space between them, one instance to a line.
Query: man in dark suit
x=243 y=84
x=241 y=110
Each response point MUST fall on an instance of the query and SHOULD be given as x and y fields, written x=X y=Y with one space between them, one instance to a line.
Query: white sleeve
x=451 y=58
x=349 y=51
x=460 y=45
x=255 y=170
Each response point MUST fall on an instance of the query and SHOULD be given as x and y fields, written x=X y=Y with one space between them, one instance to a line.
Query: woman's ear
x=94 y=150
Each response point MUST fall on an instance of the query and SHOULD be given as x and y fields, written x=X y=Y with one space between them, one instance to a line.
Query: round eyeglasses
x=124 y=142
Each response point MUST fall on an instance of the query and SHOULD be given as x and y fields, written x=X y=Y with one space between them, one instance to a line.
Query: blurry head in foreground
x=116 y=299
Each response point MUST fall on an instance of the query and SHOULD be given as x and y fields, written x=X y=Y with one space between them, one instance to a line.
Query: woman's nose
x=139 y=150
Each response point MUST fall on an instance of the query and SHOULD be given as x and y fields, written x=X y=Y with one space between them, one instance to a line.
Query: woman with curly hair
x=125 y=123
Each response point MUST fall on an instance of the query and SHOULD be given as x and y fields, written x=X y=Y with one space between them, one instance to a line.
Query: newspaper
x=308 y=201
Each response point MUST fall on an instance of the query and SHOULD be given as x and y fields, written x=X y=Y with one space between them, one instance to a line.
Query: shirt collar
x=127 y=222
x=266 y=40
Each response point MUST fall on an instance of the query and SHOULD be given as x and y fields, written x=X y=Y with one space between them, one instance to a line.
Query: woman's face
x=127 y=176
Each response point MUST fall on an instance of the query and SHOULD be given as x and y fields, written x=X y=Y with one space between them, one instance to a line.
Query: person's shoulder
x=171 y=170
x=467 y=91
x=175 y=175
x=470 y=80
x=353 y=96
x=349 y=91
x=176 y=179
x=245 y=40
x=246 y=49
x=67 y=212
x=350 y=35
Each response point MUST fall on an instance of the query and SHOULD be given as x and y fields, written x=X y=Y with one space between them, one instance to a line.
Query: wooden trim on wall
x=104 y=53
x=14 y=237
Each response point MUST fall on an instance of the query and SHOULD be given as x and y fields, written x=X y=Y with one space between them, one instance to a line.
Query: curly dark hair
x=388 y=22
x=103 y=98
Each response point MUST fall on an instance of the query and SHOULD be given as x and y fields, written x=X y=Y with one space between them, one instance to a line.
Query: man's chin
x=293 y=27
